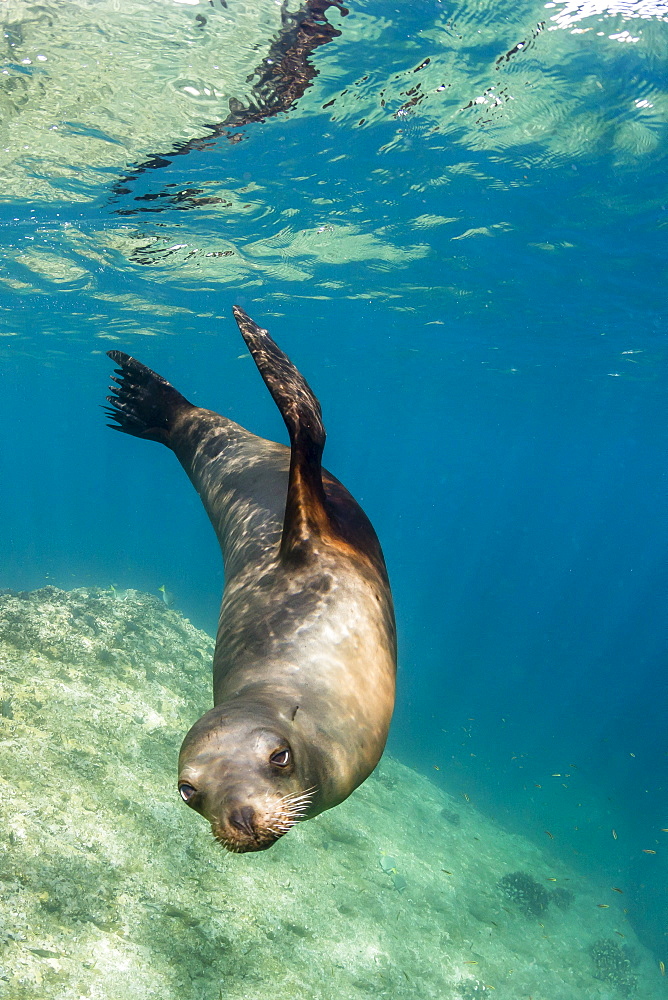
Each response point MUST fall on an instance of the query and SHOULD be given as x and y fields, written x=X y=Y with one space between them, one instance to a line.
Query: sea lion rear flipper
x=306 y=514
x=143 y=403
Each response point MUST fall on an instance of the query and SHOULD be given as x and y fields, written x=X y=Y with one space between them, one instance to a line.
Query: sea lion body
x=305 y=657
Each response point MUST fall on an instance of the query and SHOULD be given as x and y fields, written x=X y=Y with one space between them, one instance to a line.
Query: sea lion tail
x=306 y=510
x=143 y=403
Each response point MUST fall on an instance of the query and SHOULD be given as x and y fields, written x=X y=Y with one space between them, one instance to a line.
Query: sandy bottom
x=111 y=888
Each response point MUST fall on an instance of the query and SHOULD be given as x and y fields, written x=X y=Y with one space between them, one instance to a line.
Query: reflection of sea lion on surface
x=304 y=664
x=211 y=70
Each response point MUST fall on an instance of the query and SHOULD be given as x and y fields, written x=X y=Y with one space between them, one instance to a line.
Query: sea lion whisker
x=303 y=803
x=279 y=831
x=295 y=817
x=296 y=804
x=306 y=791
x=296 y=813
x=296 y=798
x=284 y=821
x=286 y=803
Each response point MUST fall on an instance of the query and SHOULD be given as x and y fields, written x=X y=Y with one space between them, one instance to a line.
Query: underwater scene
x=452 y=218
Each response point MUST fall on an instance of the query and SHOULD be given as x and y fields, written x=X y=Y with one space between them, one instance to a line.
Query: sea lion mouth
x=257 y=826
x=244 y=845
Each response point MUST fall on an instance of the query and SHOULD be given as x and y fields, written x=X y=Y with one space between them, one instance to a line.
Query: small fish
x=388 y=864
x=446 y=871
x=551 y=880
x=603 y=906
x=537 y=786
x=556 y=775
x=614 y=834
x=631 y=755
x=619 y=933
x=399 y=881
x=470 y=963
x=466 y=796
x=646 y=850
x=167 y=597
x=615 y=889
x=550 y=835
x=436 y=767
x=662 y=968
x=664 y=829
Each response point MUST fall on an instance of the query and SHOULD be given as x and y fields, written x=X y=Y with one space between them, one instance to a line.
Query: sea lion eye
x=186 y=791
x=281 y=758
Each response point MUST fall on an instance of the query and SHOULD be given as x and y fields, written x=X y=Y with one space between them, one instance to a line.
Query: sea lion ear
x=306 y=514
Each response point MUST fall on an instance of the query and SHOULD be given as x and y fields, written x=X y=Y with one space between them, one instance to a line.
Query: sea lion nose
x=242 y=819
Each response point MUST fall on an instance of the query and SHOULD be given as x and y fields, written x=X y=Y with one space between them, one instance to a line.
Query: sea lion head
x=247 y=772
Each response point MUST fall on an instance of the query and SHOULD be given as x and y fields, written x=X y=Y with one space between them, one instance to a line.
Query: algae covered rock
x=111 y=889
x=528 y=895
x=614 y=964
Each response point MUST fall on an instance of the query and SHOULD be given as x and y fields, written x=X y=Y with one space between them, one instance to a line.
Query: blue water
x=494 y=391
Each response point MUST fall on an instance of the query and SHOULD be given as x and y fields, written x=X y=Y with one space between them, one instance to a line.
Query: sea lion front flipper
x=143 y=404
x=306 y=514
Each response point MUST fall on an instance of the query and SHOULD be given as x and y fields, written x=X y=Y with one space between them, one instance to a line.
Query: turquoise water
x=458 y=234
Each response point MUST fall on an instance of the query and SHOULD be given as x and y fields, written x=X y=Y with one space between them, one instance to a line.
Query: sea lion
x=305 y=658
